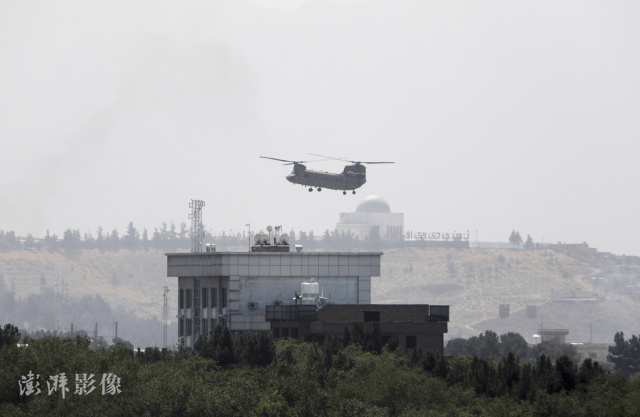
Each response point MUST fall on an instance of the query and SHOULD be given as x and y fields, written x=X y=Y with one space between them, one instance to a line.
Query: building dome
x=373 y=204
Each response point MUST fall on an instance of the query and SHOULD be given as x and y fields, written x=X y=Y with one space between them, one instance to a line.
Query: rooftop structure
x=417 y=326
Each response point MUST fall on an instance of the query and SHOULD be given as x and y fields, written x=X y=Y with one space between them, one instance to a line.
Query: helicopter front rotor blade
x=276 y=159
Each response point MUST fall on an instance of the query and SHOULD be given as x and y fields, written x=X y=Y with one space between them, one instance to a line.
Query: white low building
x=372 y=220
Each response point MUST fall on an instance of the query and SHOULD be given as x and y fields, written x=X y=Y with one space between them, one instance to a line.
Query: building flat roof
x=272 y=253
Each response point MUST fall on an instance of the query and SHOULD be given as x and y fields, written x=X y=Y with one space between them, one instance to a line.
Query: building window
x=214 y=297
x=205 y=297
x=223 y=322
x=213 y=324
x=295 y=332
x=196 y=304
x=370 y=316
x=189 y=328
x=188 y=299
x=180 y=327
x=276 y=332
x=205 y=327
x=223 y=297
x=411 y=342
x=181 y=298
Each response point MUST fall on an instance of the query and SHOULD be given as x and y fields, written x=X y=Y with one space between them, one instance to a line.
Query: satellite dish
x=284 y=239
x=269 y=229
x=261 y=239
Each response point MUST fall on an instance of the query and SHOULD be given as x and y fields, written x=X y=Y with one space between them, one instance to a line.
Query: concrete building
x=553 y=335
x=417 y=326
x=372 y=219
x=233 y=288
x=595 y=351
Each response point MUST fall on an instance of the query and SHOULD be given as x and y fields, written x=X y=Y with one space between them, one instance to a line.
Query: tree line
x=165 y=236
x=348 y=375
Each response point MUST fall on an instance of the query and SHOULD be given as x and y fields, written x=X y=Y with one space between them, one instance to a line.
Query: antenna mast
x=197 y=231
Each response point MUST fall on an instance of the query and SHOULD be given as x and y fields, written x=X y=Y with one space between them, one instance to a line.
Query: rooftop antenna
x=249 y=224
x=197 y=231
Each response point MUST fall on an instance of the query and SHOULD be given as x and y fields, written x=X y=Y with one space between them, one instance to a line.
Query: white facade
x=372 y=216
x=242 y=284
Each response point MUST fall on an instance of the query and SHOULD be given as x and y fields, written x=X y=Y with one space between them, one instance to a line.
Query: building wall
x=594 y=351
x=390 y=225
x=254 y=280
x=417 y=326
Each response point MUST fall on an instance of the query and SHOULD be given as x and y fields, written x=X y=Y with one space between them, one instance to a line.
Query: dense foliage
x=262 y=376
x=490 y=345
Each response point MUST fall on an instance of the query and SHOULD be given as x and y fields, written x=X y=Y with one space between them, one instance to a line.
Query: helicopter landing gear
x=353 y=192
x=310 y=189
x=319 y=189
x=344 y=193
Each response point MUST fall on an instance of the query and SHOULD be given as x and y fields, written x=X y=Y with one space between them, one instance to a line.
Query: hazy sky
x=500 y=115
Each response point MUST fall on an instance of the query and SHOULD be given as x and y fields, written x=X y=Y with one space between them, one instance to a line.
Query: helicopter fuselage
x=352 y=177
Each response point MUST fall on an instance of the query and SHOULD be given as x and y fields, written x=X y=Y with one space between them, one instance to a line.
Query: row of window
x=189 y=327
x=207 y=296
x=294 y=332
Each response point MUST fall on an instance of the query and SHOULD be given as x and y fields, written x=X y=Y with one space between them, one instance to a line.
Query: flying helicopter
x=352 y=176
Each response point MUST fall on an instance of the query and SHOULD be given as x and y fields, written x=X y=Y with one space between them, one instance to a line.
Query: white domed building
x=373 y=220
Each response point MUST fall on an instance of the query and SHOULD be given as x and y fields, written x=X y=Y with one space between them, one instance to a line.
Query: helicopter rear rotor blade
x=330 y=157
x=353 y=162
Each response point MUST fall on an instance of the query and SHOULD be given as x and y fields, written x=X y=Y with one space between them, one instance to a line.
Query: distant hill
x=591 y=299
x=567 y=292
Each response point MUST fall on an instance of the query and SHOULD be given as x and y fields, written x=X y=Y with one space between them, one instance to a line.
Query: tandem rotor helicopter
x=352 y=176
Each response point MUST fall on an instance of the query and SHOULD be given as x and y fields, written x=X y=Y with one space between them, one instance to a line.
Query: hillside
x=473 y=281
x=567 y=293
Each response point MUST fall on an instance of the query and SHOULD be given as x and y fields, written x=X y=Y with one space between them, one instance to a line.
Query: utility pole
x=166 y=315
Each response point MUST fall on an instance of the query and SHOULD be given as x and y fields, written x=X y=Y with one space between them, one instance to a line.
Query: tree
x=100 y=240
x=182 y=234
x=132 y=237
x=50 y=241
x=529 y=243
x=625 y=354
x=10 y=335
x=29 y=242
x=515 y=238
x=125 y=343
x=514 y=343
